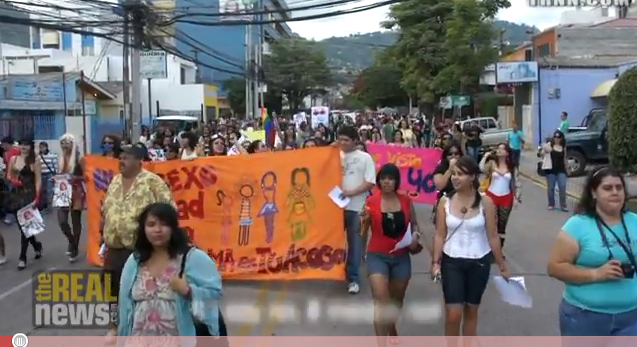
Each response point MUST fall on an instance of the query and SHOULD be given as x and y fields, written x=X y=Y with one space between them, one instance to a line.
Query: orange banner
x=260 y=216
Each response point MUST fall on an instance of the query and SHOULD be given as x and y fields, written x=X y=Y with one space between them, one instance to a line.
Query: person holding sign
x=24 y=173
x=391 y=216
x=359 y=177
x=68 y=193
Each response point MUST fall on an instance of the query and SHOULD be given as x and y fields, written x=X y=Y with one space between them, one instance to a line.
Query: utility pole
x=259 y=66
x=136 y=82
x=125 y=75
x=248 y=69
x=198 y=72
x=501 y=41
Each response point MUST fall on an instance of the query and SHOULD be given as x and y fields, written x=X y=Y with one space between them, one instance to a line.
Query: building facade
x=11 y=33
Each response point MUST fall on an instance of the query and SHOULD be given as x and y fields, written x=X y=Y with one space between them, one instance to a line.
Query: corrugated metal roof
x=113 y=87
x=589 y=61
x=618 y=23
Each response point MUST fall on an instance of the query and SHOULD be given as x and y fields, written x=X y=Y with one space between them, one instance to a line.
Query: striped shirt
x=49 y=163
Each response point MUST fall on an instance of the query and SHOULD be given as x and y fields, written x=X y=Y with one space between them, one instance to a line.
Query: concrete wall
x=584 y=41
x=576 y=86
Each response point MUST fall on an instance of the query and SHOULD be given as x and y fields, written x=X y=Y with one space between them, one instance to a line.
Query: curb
x=543 y=184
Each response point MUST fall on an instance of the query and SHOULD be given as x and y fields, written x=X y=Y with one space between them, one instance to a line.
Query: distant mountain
x=350 y=54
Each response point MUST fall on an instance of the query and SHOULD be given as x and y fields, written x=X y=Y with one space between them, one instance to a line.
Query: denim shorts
x=576 y=321
x=464 y=280
x=396 y=268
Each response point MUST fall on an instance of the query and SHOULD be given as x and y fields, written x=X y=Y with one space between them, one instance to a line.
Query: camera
x=628 y=270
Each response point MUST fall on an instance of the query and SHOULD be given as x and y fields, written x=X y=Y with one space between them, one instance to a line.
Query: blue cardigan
x=205 y=285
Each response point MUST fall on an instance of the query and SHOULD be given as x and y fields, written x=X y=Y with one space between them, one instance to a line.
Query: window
x=544 y=50
x=88 y=43
x=491 y=124
x=182 y=75
x=47 y=69
x=35 y=38
x=50 y=39
x=67 y=41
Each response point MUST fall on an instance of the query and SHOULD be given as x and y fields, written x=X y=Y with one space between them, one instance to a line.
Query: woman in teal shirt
x=594 y=255
x=155 y=298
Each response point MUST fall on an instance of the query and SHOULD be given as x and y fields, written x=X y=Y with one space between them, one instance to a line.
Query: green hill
x=350 y=54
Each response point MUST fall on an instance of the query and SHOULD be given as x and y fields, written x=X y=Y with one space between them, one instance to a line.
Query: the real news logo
x=73 y=299
x=580 y=3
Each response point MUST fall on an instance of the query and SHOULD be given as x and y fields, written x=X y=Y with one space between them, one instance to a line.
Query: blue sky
x=369 y=21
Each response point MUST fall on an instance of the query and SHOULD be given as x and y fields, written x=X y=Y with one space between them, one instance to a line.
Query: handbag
x=200 y=328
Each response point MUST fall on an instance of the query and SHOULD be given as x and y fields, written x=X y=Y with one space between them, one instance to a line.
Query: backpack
x=200 y=328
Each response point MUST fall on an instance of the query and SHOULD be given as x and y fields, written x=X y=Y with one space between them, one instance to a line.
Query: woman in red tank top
x=389 y=214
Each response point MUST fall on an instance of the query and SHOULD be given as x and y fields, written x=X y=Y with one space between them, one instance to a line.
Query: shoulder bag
x=200 y=328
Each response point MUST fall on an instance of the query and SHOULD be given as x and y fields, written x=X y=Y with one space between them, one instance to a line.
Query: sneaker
x=8 y=220
x=69 y=250
x=73 y=256
x=3 y=260
x=22 y=265
x=353 y=288
x=38 y=252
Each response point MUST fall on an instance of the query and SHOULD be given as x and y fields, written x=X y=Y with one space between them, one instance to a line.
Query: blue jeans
x=575 y=321
x=473 y=153
x=394 y=268
x=560 y=180
x=354 y=245
x=515 y=157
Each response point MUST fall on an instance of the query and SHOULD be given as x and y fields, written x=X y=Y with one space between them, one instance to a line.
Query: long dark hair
x=117 y=145
x=254 y=145
x=587 y=204
x=561 y=134
x=167 y=215
x=30 y=159
x=508 y=160
x=468 y=166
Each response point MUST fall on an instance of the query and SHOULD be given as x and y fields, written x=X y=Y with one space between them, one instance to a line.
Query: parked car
x=493 y=133
x=588 y=146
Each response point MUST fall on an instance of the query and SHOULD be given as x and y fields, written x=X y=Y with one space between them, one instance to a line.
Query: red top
x=8 y=154
x=378 y=242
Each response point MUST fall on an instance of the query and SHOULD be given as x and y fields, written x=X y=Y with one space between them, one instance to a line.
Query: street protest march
x=416 y=169
x=260 y=217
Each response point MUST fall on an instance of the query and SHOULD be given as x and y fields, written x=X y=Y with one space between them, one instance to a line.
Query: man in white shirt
x=359 y=176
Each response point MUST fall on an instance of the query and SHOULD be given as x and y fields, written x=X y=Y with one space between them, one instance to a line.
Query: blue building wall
x=576 y=86
x=226 y=43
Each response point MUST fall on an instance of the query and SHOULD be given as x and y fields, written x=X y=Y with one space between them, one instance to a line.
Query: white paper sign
x=405 y=241
x=30 y=220
x=335 y=195
x=513 y=291
x=156 y=154
x=62 y=190
x=234 y=150
x=320 y=115
x=299 y=118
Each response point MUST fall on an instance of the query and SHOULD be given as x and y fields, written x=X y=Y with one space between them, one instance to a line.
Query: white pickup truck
x=493 y=133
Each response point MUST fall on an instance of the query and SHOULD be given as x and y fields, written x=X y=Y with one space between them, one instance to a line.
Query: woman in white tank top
x=502 y=187
x=465 y=244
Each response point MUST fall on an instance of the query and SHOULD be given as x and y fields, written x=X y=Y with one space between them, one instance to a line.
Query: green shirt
x=564 y=126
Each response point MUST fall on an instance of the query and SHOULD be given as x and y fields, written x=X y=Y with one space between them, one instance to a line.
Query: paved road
x=324 y=308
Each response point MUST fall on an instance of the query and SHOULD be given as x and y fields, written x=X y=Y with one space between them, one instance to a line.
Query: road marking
x=273 y=322
x=19 y=287
x=262 y=298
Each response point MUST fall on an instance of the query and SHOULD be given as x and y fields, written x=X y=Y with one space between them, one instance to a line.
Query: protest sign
x=62 y=190
x=264 y=216
x=416 y=168
x=156 y=154
x=30 y=220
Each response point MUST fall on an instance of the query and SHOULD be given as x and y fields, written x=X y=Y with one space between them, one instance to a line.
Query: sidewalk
x=574 y=185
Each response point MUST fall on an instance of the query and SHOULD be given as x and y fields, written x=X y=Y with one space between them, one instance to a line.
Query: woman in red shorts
x=390 y=215
x=503 y=187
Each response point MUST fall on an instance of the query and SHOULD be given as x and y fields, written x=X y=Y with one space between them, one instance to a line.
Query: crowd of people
x=142 y=238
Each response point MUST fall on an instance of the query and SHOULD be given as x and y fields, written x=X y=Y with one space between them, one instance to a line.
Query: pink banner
x=416 y=169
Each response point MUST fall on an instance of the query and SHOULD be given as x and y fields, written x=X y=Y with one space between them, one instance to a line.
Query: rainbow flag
x=268 y=126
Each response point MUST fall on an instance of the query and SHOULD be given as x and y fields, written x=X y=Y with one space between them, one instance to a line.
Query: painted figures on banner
x=228 y=207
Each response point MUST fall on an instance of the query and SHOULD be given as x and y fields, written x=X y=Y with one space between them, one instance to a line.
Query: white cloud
x=369 y=21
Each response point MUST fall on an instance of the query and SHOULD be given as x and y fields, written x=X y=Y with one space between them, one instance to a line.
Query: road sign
x=460 y=100
x=446 y=102
x=153 y=64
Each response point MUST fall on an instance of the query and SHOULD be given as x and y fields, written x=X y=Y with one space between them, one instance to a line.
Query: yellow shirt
x=121 y=211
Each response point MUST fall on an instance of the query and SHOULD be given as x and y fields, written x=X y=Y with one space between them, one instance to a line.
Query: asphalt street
x=325 y=308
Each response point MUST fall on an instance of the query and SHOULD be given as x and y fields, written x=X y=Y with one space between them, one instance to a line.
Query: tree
x=379 y=86
x=236 y=94
x=296 y=68
x=622 y=122
x=468 y=48
x=429 y=33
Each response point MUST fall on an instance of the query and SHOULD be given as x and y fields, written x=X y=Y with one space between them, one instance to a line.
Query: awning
x=603 y=89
